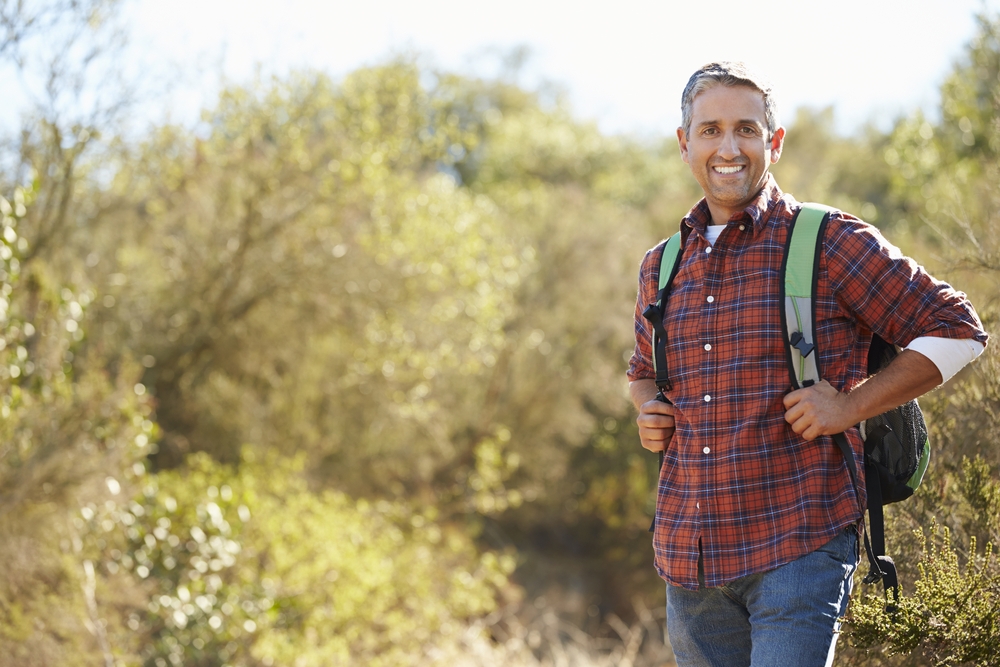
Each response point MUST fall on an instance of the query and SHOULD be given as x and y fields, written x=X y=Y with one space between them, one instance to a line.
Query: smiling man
x=757 y=520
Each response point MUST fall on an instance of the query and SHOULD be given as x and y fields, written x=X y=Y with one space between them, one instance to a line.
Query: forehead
x=728 y=103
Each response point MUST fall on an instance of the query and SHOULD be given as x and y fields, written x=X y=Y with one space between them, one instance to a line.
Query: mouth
x=723 y=169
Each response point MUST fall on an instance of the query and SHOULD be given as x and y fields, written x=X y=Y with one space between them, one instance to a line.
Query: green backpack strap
x=800 y=273
x=655 y=311
x=668 y=264
x=800 y=276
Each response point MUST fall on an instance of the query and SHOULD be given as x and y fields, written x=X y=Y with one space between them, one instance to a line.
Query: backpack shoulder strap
x=669 y=261
x=655 y=312
x=668 y=266
x=799 y=276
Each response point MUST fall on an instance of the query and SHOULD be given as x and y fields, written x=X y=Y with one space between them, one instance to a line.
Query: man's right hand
x=656 y=424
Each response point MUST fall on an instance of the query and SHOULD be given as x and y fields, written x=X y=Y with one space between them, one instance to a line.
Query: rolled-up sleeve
x=891 y=294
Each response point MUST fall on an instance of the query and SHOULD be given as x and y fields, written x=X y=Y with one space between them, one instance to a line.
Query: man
x=757 y=520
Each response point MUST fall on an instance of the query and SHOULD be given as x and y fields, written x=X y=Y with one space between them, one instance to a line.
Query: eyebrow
x=742 y=121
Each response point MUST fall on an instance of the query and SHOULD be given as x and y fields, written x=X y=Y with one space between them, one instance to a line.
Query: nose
x=728 y=147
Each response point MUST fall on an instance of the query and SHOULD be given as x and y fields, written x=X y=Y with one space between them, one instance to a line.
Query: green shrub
x=249 y=566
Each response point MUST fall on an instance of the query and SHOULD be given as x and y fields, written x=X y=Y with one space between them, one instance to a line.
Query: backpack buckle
x=873 y=576
x=798 y=341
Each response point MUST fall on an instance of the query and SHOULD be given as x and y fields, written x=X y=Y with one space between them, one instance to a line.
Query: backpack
x=895 y=443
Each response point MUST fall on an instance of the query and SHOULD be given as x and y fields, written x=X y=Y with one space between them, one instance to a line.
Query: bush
x=248 y=566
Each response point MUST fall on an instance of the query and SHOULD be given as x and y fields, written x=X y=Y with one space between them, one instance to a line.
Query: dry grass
x=521 y=635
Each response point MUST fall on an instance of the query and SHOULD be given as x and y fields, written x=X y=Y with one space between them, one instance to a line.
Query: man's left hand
x=818 y=410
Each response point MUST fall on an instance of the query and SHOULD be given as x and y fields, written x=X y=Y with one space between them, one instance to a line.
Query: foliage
x=301 y=384
x=385 y=274
x=248 y=566
x=943 y=180
x=953 y=615
x=846 y=172
x=69 y=431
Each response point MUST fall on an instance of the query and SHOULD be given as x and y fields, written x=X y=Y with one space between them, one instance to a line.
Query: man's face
x=727 y=147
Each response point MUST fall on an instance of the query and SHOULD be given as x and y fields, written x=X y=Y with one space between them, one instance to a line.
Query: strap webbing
x=881 y=566
x=801 y=260
x=671 y=253
x=800 y=266
x=801 y=273
x=655 y=313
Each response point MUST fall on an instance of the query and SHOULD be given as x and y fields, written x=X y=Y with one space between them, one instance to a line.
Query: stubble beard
x=733 y=195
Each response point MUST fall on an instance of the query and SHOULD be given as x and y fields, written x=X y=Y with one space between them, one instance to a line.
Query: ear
x=777 y=143
x=682 y=143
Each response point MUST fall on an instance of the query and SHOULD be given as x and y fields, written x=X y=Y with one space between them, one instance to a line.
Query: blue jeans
x=787 y=616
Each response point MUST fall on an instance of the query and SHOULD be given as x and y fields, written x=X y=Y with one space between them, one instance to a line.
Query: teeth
x=729 y=170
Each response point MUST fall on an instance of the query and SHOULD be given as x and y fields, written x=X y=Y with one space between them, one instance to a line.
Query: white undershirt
x=712 y=233
x=950 y=355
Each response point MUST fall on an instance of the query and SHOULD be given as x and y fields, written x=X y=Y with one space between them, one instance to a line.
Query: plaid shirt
x=735 y=476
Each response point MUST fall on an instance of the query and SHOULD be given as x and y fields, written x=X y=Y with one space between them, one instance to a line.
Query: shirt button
x=707 y=450
x=698 y=505
x=708 y=398
x=710 y=299
x=708 y=249
x=708 y=346
x=742 y=227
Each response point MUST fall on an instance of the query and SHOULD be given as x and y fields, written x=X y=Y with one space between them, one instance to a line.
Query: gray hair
x=728 y=74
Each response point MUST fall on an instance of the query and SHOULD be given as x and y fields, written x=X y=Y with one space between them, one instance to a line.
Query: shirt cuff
x=950 y=355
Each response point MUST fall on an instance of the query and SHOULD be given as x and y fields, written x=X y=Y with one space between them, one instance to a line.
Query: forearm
x=822 y=410
x=910 y=375
x=642 y=391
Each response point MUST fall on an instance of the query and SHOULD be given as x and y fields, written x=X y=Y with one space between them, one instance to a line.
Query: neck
x=721 y=215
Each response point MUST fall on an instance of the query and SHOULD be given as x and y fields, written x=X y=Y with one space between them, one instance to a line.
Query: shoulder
x=656 y=250
x=653 y=256
x=857 y=256
x=850 y=237
x=649 y=268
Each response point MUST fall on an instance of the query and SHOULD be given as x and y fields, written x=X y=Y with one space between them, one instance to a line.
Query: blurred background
x=316 y=319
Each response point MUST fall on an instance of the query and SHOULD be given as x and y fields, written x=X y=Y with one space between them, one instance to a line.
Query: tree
x=944 y=177
x=71 y=433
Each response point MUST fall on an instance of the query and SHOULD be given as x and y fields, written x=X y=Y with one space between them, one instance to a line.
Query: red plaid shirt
x=735 y=475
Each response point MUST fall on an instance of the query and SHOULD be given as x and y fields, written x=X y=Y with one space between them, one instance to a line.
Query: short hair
x=728 y=74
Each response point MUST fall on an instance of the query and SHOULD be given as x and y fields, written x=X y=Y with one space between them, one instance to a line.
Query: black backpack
x=896 y=445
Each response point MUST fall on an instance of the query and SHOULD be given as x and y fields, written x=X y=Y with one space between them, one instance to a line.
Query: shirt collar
x=699 y=217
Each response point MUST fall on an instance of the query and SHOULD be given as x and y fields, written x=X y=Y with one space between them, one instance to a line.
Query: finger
x=794 y=413
x=649 y=433
x=793 y=397
x=655 y=421
x=799 y=424
x=658 y=407
x=656 y=441
x=654 y=446
x=658 y=432
x=810 y=433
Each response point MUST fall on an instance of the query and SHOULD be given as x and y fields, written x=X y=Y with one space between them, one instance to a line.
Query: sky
x=622 y=65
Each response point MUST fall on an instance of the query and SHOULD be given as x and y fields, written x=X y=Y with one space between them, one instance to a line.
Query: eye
x=748 y=130
x=709 y=131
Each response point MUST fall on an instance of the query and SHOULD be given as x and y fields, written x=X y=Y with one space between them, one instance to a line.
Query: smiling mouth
x=728 y=170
